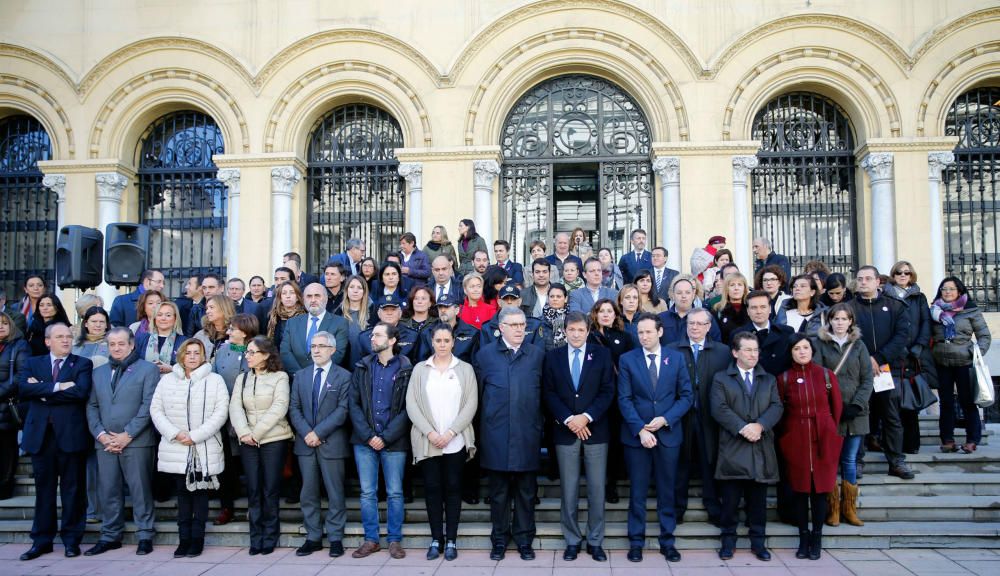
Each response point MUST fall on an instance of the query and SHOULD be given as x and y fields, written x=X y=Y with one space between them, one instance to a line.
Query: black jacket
x=397 y=433
x=774 y=355
x=885 y=327
x=713 y=359
x=12 y=359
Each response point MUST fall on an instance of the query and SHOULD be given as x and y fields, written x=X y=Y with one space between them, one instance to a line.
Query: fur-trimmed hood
x=825 y=334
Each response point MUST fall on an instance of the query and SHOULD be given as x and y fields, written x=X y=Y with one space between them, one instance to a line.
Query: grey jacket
x=127 y=408
x=958 y=351
x=733 y=408
x=855 y=376
x=331 y=422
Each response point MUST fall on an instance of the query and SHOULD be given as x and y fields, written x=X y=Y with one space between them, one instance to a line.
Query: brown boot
x=849 y=505
x=833 y=506
x=366 y=549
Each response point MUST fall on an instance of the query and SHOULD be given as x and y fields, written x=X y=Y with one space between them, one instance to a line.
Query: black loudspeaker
x=78 y=257
x=127 y=250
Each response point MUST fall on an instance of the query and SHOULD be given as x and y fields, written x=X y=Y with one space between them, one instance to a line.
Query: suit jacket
x=630 y=267
x=246 y=306
x=639 y=403
x=713 y=358
x=420 y=267
x=593 y=397
x=331 y=422
x=581 y=300
x=454 y=288
x=774 y=355
x=668 y=276
x=344 y=259
x=123 y=309
x=514 y=271
x=294 y=348
x=127 y=408
x=66 y=410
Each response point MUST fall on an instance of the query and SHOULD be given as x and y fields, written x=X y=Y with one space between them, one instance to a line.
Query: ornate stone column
x=57 y=183
x=484 y=172
x=231 y=178
x=668 y=168
x=413 y=172
x=283 y=181
x=936 y=162
x=110 y=186
x=878 y=165
x=742 y=165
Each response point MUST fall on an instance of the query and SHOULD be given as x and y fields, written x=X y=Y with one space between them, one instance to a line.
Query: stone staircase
x=953 y=502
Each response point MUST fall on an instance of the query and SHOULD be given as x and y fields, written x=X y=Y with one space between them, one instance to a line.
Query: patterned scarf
x=164 y=354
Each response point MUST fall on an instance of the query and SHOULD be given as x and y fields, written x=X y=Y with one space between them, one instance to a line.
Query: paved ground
x=220 y=561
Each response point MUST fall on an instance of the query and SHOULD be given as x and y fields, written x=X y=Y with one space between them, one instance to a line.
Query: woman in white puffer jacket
x=189 y=408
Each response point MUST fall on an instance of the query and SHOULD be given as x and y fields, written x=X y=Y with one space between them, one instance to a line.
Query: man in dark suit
x=444 y=281
x=191 y=294
x=538 y=332
x=57 y=387
x=118 y=416
x=654 y=394
x=236 y=290
x=319 y=412
x=299 y=331
x=674 y=319
x=123 y=312
x=561 y=254
x=773 y=338
x=351 y=257
x=703 y=357
x=414 y=262
x=579 y=387
x=293 y=261
x=211 y=286
x=515 y=272
x=764 y=255
x=662 y=276
x=636 y=259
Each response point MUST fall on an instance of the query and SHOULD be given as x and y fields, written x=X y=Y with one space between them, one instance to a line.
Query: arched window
x=28 y=216
x=354 y=183
x=803 y=190
x=180 y=198
x=972 y=243
x=575 y=154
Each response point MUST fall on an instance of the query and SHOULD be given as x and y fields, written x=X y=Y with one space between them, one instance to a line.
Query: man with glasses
x=351 y=257
x=444 y=281
x=319 y=412
x=885 y=330
x=538 y=331
x=301 y=329
x=510 y=375
x=123 y=309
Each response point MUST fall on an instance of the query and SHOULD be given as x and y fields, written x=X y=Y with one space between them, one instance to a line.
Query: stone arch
x=949 y=29
x=131 y=108
x=22 y=96
x=321 y=89
x=973 y=67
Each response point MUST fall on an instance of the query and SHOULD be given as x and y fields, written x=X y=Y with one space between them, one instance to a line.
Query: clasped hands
x=647 y=436
x=114 y=443
x=441 y=440
x=752 y=432
x=578 y=425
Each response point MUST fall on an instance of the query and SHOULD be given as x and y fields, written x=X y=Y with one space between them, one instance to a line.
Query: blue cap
x=389 y=300
x=448 y=300
x=510 y=290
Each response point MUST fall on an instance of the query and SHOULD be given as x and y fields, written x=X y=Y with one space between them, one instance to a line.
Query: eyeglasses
x=319 y=346
x=699 y=323
x=904 y=273
x=515 y=325
x=770 y=279
x=253 y=352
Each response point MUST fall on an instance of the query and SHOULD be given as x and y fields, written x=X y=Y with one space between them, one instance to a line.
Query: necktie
x=636 y=256
x=575 y=369
x=55 y=369
x=696 y=348
x=313 y=328
x=748 y=383
x=653 y=376
x=440 y=291
x=114 y=379
x=659 y=278
x=317 y=386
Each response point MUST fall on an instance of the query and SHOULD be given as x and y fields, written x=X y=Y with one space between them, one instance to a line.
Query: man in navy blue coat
x=510 y=378
x=636 y=259
x=764 y=255
x=674 y=319
x=579 y=389
x=654 y=394
x=56 y=435
x=123 y=312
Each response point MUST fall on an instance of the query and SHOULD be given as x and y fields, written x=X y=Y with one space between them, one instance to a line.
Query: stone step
x=691 y=535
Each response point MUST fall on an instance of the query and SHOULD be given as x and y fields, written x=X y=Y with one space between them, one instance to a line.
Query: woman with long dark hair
x=554 y=312
x=92 y=342
x=649 y=300
x=13 y=355
x=835 y=290
x=48 y=310
x=288 y=304
x=802 y=312
x=34 y=289
x=469 y=241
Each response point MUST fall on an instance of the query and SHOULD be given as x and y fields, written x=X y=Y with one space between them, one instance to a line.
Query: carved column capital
x=231 y=178
x=742 y=165
x=484 y=172
x=56 y=183
x=878 y=165
x=668 y=168
x=284 y=179
x=413 y=172
x=110 y=186
x=938 y=161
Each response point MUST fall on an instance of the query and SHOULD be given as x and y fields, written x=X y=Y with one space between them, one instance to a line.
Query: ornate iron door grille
x=28 y=216
x=972 y=243
x=354 y=183
x=803 y=190
x=575 y=119
x=181 y=199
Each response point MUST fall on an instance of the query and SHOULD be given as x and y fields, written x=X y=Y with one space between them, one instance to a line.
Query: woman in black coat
x=48 y=311
x=13 y=355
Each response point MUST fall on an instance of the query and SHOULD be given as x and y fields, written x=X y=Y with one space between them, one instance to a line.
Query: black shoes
x=308 y=548
x=336 y=549
x=762 y=554
x=726 y=552
x=803 y=552
x=35 y=551
x=526 y=552
x=597 y=553
x=635 y=554
x=74 y=551
x=815 y=545
x=254 y=550
x=498 y=552
x=434 y=550
x=266 y=550
x=102 y=547
x=144 y=547
x=450 y=551
x=196 y=548
x=671 y=554
x=571 y=552
x=182 y=548
x=901 y=470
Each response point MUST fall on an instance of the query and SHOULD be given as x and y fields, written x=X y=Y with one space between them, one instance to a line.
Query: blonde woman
x=356 y=309
x=165 y=336
x=288 y=303
x=731 y=311
x=440 y=245
x=219 y=310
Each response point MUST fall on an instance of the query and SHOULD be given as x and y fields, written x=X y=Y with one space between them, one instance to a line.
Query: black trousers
x=755 y=496
x=192 y=510
x=229 y=479
x=696 y=461
x=443 y=492
x=67 y=472
x=885 y=414
x=263 y=467
x=911 y=430
x=519 y=487
x=803 y=504
x=8 y=462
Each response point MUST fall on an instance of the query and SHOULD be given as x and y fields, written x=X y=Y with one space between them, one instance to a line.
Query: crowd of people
x=464 y=365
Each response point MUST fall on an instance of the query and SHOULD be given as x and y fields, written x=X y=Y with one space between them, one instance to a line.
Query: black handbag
x=12 y=403
x=915 y=392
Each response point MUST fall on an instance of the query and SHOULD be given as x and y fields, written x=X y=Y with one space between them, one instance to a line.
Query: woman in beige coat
x=441 y=401
x=257 y=412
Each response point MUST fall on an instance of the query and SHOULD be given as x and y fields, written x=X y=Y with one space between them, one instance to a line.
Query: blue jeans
x=393 y=464
x=849 y=457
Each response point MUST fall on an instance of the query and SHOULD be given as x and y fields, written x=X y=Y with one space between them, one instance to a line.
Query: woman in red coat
x=809 y=441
